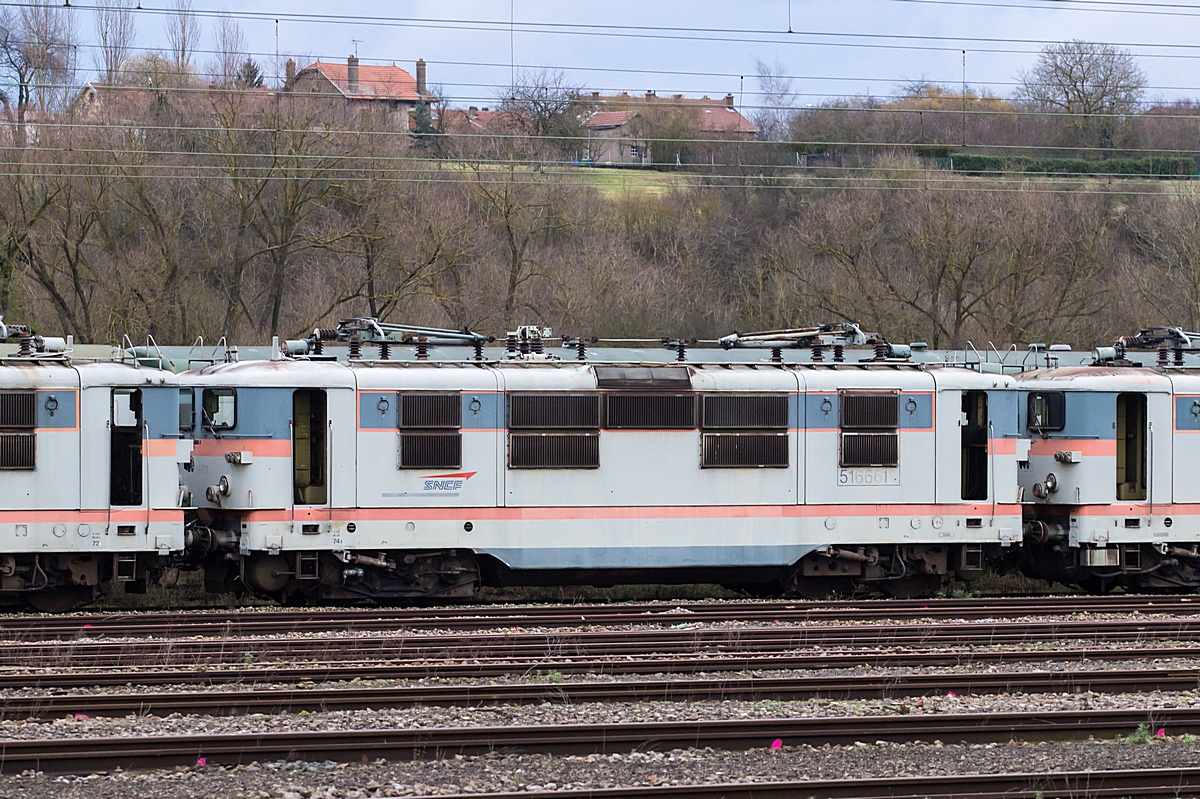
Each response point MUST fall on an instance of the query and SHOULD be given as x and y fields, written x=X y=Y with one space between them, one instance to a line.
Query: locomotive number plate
x=868 y=477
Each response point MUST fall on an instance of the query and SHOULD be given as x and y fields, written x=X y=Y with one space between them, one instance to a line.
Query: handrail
x=992 y=467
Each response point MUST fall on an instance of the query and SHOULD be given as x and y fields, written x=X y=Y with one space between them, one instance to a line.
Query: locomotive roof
x=63 y=373
x=1096 y=378
x=272 y=373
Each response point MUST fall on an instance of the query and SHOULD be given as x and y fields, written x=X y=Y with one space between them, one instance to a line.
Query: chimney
x=421 y=77
x=289 y=75
x=352 y=74
x=595 y=95
x=729 y=100
x=649 y=95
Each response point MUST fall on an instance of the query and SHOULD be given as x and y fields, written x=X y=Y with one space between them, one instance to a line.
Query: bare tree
x=1091 y=88
x=115 y=32
x=544 y=99
x=230 y=52
x=776 y=100
x=36 y=64
x=1165 y=232
x=183 y=34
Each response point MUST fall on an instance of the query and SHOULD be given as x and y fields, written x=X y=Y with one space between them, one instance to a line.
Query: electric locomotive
x=90 y=452
x=318 y=479
x=1110 y=471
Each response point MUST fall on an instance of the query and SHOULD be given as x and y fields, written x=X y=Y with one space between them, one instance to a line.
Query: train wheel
x=59 y=600
x=915 y=586
x=822 y=587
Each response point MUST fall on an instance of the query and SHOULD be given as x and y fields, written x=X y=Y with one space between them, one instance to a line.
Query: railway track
x=273 y=622
x=275 y=700
x=83 y=755
x=585 y=644
x=418 y=669
x=1167 y=783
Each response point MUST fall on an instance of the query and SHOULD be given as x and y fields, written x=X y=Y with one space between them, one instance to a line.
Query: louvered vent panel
x=744 y=449
x=651 y=411
x=18 y=409
x=548 y=411
x=430 y=450
x=644 y=378
x=745 y=412
x=18 y=450
x=870 y=411
x=553 y=451
x=431 y=410
x=870 y=449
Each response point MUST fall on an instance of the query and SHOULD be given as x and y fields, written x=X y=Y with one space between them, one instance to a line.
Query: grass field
x=616 y=183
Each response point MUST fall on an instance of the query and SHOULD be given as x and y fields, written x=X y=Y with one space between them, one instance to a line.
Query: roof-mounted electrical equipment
x=356 y=331
x=1170 y=344
x=31 y=345
x=836 y=336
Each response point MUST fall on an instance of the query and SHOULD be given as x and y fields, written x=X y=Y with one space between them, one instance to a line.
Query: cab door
x=126 y=479
x=310 y=447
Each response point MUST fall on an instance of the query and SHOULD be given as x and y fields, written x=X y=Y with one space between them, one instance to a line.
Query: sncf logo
x=447 y=482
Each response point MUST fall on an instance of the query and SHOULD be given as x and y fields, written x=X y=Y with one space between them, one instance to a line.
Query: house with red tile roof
x=617 y=125
x=388 y=92
x=475 y=121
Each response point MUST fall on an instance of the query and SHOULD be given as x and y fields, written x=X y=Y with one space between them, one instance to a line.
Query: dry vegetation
x=181 y=208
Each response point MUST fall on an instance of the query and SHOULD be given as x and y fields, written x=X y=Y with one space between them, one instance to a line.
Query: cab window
x=220 y=408
x=1047 y=411
x=187 y=411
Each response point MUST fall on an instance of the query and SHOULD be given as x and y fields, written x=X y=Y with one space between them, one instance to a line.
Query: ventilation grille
x=430 y=450
x=18 y=450
x=650 y=411
x=870 y=411
x=744 y=449
x=431 y=410
x=745 y=412
x=554 y=450
x=870 y=449
x=644 y=378
x=18 y=409
x=540 y=411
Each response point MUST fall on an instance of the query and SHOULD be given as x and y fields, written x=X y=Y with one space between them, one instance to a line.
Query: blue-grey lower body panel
x=650 y=557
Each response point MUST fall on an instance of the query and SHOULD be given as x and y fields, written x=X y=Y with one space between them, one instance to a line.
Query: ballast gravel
x=547 y=714
x=513 y=773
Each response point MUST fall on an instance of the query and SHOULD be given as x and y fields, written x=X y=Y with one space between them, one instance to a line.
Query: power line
x=674 y=32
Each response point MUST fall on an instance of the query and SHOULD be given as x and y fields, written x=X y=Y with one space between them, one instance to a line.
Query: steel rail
x=277 y=700
x=260 y=622
x=418 y=669
x=84 y=755
x=1158 y=783
x=684 y=640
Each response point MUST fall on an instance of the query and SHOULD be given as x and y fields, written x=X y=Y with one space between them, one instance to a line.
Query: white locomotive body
x=397 y=479
x=1112 y=475
x=89 y=461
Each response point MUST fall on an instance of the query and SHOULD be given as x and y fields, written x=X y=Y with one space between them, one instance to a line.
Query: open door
x=975 y=445
x=310 y=457
x=1131 y=447
x=125 y=448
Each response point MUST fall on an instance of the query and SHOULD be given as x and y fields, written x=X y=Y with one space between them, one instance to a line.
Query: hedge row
x=1157 y=167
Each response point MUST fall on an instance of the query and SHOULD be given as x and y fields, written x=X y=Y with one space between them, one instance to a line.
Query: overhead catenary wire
x=673 y=32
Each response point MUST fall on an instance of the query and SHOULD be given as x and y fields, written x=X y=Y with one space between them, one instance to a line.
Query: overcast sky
x=469 y=54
